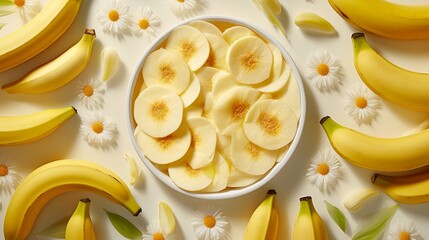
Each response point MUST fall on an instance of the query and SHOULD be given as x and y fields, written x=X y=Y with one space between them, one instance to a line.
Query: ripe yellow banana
x=309 y=225
x=385 y=18
x=312 y=22
x=409 y=189
x=38 y=34
x=79 y=226
x=55 y=178
x=31 y=127
x=57 y=72
x=263 y=223
x=393 y=83
x=378 y=154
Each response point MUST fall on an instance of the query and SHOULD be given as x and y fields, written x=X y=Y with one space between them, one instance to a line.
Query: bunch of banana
x=263 y=223
x=57 y=72
x=309 y=225
x=38 y=34
x=79 y=226
x=385 y=18
x=55 y=178
x=378 y=154
x=409 y=189
x=31 y=127
x=393 y=83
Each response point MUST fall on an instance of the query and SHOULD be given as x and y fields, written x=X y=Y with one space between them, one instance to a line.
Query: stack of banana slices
x=218 y=106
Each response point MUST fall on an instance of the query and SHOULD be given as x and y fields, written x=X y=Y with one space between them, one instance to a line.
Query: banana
x=393 y=83
x=58 y=72
x=206 y=27
x=309 y=225
x=408 y=189
x=378 y=154
x=312 y=22
x=55 y=178
x=234 y=33
x=192 y=92
x=385 y=18
x=203 y=142
x=353 y=201
x=263 y=224
x=218 y=49
x=31 y=127
x=79 y=226
x=220 y=179
x=38 y=34
x=191 y=179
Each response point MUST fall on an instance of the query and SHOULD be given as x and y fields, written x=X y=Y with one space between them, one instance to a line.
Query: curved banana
x=393 y=83
x=378 y=154
x=57 y=72
x=263 y=223
x=79 y=226
x=312 y=22
x=409 y=189
x=385 y=18
x=37 y=34
x=31 y=127
x=309 y=225
x=55 y=178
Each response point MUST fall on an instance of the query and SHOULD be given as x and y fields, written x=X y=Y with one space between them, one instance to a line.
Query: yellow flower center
x=88 y=90
x=4 y=170
x=144 y=23
x=323 y=69
x=113 y=15
x=361 y=102
x=404 y=235
x=158 y=236
x=181 y=1
x=97 y=127
x=209 y=221
x=323 y=169
x=19 y=3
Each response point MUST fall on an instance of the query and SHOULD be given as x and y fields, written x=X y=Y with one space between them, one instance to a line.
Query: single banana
x=378 y=154
x=354 y=201
x=263 y=223
x=309 y=225
x=393 y=83
x=57 y=72
x=31 y=127
x=314 y=23
x=385 y=18
x=55 y=178
x=37 y=34
x=79 y=226
x=408 y=189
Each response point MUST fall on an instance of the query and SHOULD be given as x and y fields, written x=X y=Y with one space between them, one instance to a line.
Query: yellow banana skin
x=403 y=87
x=37 y=34
x=55 y=178
x=385 y=18
x=263 y=224
x=57 y=72
x=378 y=154
x=408 y=189
x=309 y=225
x=32 y=127
x=79 y=226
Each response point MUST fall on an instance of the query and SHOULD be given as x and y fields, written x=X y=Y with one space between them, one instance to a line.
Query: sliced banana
x=221 y=176
x=218 y=49
x=249 y=60
x=205 y=75
x=158 y=111
x=234 y=33
x=278 y=61
x=203 y=142
x=193 y=110
x=229 y=111
x=274 y=84
x=164 y=68
x=189 y=179
x=240 y=179
x=270 y=124
x=192 y=91
x=291 y=95
x=249 y=158
x=167 y=149
x=206 y=27
x=222 y=82
x=189 y=44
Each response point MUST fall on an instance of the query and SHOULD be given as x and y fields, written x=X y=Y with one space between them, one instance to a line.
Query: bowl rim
x=235 y=192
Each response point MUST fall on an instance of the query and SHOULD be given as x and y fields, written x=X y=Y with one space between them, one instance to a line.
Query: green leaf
x=375 y=224
x=6 y=3
x=123 y=226
x=57 y=229
x=337 y=216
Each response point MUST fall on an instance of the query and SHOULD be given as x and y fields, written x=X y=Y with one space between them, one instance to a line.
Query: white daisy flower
x=324 y=71
x=324 y=170
x=182 y=8
x=97 y=129
x=145 y=22
x=91 y=93
x=362 y=104
x=210 y=224
x=154 y=232
x=114 y=17
x=9 y=177
x=27 y=8
x=404 y=231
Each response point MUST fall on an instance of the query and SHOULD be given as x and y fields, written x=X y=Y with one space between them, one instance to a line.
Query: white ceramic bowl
x=136 y=81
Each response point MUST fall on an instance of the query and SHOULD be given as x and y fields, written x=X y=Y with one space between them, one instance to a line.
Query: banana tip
x=85 y=200
x=90 y=31
x=374 y=177
x=137 y=213
x=75 y=110
x=324 y=119
x=358 y=35
x=272 y=192
x=306 y=198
